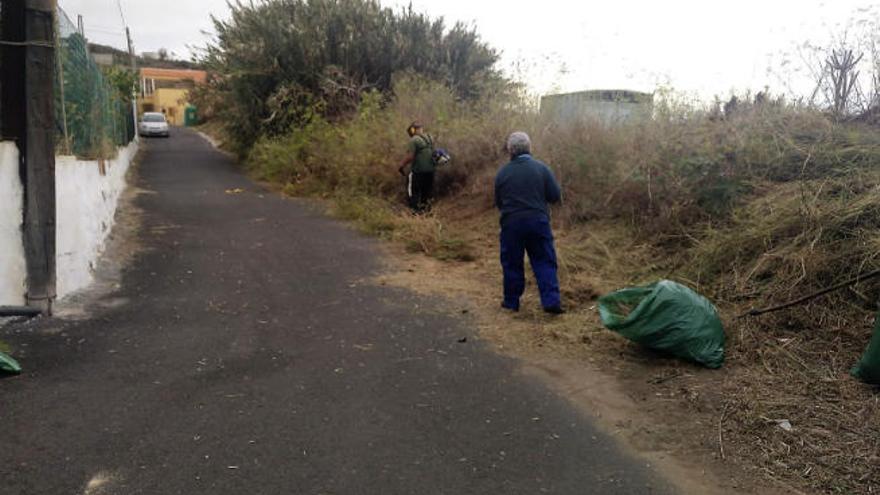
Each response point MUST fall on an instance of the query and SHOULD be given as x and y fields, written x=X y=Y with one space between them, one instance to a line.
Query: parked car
x=153 y=124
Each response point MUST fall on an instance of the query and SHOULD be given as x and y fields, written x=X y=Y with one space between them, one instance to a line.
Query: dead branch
x=810 y=297
x=841 y=65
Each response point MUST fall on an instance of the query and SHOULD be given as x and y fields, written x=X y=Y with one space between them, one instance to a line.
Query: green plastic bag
x=868 y=369
x=668 y=317
x=8 y=364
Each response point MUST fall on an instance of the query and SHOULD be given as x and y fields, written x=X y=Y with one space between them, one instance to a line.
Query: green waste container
x=190 y=116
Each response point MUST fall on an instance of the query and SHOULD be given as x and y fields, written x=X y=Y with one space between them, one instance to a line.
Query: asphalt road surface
x=244 y=353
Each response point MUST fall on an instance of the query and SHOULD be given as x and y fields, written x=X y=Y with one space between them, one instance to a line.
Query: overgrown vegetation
x=278 y=64
x=756 y=203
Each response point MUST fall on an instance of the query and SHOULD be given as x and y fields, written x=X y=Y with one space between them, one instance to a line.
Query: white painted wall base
x=12 y=266
x=86 y=203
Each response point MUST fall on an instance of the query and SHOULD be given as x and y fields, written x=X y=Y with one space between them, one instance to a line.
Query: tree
x=842 y=73
x=278 y=62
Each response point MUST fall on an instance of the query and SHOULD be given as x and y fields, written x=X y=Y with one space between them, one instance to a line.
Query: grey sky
x=698 y=46
x=171 y=24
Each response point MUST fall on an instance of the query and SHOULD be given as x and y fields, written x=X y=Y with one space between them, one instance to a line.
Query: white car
x=153 y=124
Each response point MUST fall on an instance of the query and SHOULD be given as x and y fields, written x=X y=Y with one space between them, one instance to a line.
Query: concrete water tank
x=609 y=107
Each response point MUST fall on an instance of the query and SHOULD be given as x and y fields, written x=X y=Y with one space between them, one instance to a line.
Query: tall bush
x=358 y=155
x=277 y=63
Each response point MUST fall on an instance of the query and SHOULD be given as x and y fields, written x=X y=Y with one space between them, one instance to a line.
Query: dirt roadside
x=657 y=407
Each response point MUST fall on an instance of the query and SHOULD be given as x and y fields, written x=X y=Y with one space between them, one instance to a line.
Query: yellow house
x=166 y=91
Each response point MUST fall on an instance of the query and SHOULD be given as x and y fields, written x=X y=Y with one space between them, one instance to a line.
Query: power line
x=114 y=32
x=111 y=35
x=107 y=28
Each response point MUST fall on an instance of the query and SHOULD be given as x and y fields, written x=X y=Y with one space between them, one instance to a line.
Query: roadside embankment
x=754 y=205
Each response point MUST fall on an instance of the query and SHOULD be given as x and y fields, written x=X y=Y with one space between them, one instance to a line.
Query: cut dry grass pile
x=419 y=234
x=793 y=238
x=790 y=240
x=777 y=374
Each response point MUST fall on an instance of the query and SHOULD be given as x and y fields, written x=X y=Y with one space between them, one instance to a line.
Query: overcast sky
x=698 y=46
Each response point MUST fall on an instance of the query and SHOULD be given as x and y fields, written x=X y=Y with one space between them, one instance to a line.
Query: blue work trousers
x=532 y=236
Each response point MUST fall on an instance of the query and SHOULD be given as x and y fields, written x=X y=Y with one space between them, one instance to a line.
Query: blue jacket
x=523 y=189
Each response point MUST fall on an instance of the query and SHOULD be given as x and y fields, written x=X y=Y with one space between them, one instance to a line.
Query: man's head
x=414 y=128
x=519 y=143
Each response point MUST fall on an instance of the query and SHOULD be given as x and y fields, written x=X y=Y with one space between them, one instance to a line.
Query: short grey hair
x=519 y=143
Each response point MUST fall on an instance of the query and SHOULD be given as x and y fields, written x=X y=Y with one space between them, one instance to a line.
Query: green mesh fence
x=93 y=116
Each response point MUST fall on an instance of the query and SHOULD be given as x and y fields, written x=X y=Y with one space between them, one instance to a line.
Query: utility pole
x=29 y=118
x=135 y=73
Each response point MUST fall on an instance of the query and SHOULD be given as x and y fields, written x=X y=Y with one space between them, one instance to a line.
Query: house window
x=148 y=86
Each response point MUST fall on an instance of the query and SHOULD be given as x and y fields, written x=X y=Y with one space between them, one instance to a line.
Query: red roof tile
x=198 y=76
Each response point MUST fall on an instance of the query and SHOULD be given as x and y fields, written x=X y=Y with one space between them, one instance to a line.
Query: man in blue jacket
x=523 y=190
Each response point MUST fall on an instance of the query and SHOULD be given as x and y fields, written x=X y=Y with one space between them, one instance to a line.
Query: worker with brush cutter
x=523 y=190
x=420 y=179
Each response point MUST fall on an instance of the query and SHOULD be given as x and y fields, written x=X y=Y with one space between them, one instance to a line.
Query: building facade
x=167 y=91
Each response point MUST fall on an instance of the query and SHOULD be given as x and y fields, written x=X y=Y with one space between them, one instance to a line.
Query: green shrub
x=275 y=61
x=359 y=155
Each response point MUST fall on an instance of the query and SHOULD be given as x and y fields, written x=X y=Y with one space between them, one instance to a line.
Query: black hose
x=10 y=311
x=852 y=281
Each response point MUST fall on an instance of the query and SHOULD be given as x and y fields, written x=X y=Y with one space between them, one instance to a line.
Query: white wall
x=86 y=205
x=12 y=265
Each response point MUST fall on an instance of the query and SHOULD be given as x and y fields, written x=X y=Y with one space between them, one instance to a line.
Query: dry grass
x=790 y=366
x=778 y=367
x=750 y=208
x=802 y=377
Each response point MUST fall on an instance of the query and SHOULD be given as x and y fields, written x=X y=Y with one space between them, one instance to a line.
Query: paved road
x=245 y=356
